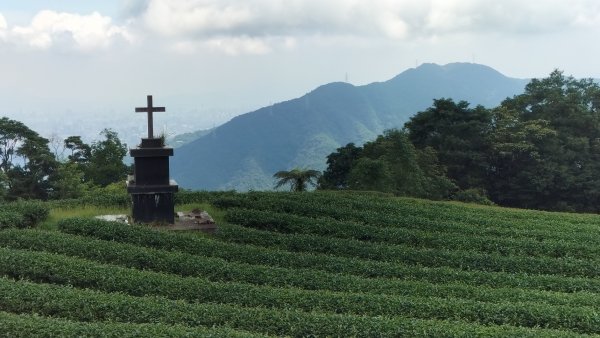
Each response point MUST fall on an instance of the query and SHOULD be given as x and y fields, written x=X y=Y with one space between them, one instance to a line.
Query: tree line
x=30 y=170
x=538 y=150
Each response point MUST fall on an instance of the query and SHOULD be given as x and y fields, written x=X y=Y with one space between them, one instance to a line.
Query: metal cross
x=150 y=109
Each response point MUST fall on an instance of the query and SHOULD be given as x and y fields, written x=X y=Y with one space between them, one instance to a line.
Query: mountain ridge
x=243 y=153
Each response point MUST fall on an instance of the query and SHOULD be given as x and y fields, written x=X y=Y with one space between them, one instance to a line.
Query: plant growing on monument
x=299 y=179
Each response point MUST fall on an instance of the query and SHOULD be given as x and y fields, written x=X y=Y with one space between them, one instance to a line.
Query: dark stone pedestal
x=150 y=188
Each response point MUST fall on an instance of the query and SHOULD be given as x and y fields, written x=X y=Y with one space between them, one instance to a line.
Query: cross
x=150 y=109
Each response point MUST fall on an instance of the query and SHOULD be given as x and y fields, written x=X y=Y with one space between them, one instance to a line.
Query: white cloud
x=83 y=32
x=3 y=27
x=3 y=24
x=510 y=17
x=248 y=26
x=239 y=45
x=261 y=26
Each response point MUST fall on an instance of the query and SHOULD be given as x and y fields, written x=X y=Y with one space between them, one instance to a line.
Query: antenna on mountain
x=346 y=77
x=416 y=63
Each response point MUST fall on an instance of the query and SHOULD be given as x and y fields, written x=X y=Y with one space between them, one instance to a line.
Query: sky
x=209 y=60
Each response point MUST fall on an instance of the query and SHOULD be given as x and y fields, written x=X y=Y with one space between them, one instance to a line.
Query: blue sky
x=213 y=59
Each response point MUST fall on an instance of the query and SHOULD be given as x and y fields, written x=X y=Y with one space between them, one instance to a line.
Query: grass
x=88 y=211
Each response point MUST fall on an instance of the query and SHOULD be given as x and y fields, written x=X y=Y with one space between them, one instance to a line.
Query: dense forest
x=539 y=150
x=33 y=167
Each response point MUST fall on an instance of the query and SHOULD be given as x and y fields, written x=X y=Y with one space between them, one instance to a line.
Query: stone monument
x=151 y=190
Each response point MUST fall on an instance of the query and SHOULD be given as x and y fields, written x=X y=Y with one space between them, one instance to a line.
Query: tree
x=25 y=160
x=371 y=175
x=339 y=164
x=80 y=152
x=546 y=151
x=520 y=175
x=298 y=179
x=412 y=172
x=68 y=182
x=459 y=135
x=106 y=160
x=390 y=163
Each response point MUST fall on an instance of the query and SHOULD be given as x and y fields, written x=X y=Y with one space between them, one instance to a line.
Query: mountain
x=183 y=139
x=244 y=153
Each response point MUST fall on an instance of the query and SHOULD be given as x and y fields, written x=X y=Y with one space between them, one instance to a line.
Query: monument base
x=153 y=208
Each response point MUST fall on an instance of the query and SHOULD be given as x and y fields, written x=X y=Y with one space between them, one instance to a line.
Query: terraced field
x=309 y=264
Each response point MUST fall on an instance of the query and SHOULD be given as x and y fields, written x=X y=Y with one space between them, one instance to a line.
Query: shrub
x=472 y=195
x=32 y=212
x=11 y=219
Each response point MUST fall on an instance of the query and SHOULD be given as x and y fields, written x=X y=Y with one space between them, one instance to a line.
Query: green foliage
x=87 y=305
x=339 y=164
x=536 y=150
x=320 y=263
x=11 y=219
x=205 y=247
x=106 y=160
x=68 y=182
x=27 y=326
x=298 y=179
x=25 y=161
x=389 y=164
x=459 y=136
x=472 y=195
x=545 y=151
x=43 y=267
x=30 y=213
x=80 y=152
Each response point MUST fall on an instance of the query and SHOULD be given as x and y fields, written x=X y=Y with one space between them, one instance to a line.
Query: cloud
x=3 y=27
x=260 y=26
x=255 y=22
x=508 y=17
x=82 y=32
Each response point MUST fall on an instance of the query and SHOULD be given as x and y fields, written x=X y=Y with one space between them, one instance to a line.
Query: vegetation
x=298 y=179
x=320 y=263
x=245 y=152
x=537 y=150
x=26 y=163
x=29 y=170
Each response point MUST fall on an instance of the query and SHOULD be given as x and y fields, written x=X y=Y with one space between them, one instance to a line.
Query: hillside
x=322 y=264
x=244 y=153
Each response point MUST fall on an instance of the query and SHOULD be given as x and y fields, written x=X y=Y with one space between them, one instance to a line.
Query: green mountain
x=182 y=139
x=244 y=153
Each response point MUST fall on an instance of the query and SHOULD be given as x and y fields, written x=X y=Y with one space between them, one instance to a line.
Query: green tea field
x=307 y=264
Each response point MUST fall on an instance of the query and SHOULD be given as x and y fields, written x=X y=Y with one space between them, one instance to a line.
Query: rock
x=114 y=218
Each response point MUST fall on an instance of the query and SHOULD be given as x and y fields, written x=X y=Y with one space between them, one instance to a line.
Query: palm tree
x=297 y=178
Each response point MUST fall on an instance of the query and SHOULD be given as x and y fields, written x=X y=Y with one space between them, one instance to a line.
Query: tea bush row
x=467 y=260
x=88 y=305
x=400 y=216
x=291 y=223
x=28 y=326
x=202 y=247
x=59 y=269
x=10 y=219
x=435 y=210
x=23 y=214
x=218 y=270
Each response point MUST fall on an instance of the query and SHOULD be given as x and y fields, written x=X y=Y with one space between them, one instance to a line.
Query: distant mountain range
x=244 y=153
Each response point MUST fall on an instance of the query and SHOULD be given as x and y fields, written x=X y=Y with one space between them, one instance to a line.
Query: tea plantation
x=303 y=264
